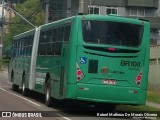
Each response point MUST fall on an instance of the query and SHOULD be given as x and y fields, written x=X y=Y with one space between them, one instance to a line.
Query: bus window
x=67 y=30
x=59 y=34
x=107 y=32
x=20 y=47
x=27 y=53
x=17 y=48
x=50 y=42
x=58 y=47
x=42 y=43
x=25 y=46
x=13 y=49
x=30 y=44
x=58 y=43
x=55 y=34
x=87 y=33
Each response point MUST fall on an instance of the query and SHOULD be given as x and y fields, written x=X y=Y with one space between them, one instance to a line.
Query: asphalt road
x=21 y=106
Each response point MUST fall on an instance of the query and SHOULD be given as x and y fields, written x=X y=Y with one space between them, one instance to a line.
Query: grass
x=135 y=108
x=5 y=63
x=153 y=96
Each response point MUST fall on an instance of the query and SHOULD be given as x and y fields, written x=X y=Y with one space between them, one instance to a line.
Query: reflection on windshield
x=115 y=33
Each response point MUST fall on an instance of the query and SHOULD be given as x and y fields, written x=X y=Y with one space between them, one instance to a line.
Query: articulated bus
x=96 y=59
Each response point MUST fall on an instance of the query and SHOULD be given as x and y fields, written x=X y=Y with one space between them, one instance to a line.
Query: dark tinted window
x=42 y=43
x=17 y=48
x=25 y=46
x=30 y=44
x=51 y=40
x=114 y=33
x=67 y=30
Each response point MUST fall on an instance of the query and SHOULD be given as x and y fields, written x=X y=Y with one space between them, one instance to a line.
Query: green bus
x=102 y=60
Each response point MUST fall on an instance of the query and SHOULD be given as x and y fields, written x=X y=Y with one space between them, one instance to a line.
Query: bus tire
x=48 y=93
x=105 y=107
x=14 y=86
x=24 y=89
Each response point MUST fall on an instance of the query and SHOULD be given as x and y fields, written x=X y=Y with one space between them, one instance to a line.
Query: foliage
x=153 y=96
x=32 y=11
x=53 y=4
x=128 y=108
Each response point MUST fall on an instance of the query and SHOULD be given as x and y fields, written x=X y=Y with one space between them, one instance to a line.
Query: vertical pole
x=47 y=11
x=89 y=6
x=1 y=44
x=68 y=8
x=81 y=7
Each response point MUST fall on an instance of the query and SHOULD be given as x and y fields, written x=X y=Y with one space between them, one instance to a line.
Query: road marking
x=5 y=86
x=63 y=117
x=9 y=82
x=20 y=97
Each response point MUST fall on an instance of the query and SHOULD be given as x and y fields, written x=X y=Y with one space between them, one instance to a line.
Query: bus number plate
x=110 y=82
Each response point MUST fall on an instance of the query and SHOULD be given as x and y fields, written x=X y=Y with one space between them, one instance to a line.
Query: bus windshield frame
x=112 y=33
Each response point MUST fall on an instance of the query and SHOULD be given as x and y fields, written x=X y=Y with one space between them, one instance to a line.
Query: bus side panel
x=16 y=71
x=144 y=84
x=64 y=70
x=146 y=46
x=71 y=89
x=26 y=69
x=54 y=66
x=40 y=74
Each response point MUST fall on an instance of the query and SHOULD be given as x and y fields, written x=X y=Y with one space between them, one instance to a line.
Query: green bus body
x=70 y=53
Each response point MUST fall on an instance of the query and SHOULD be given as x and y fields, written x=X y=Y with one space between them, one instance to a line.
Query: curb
x=152 y=104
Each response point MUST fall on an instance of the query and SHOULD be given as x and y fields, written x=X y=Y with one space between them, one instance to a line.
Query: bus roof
x=111 y=17
x=24 y=34
x=62 y=21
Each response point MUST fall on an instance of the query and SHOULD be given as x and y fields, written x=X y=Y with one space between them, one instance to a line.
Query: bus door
x=64 y=58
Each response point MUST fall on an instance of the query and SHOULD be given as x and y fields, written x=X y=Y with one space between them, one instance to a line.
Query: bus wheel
x=105 y=107
x=24 y=89
x=48 y=93
x=14 y=86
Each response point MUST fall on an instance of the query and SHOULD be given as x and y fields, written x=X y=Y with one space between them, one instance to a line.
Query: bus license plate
x=110 y=82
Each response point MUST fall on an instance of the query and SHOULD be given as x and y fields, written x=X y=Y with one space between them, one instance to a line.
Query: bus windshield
x=112 y=33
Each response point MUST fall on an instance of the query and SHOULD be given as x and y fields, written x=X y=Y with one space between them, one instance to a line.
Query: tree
x=32 y=11
x=57 y=9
